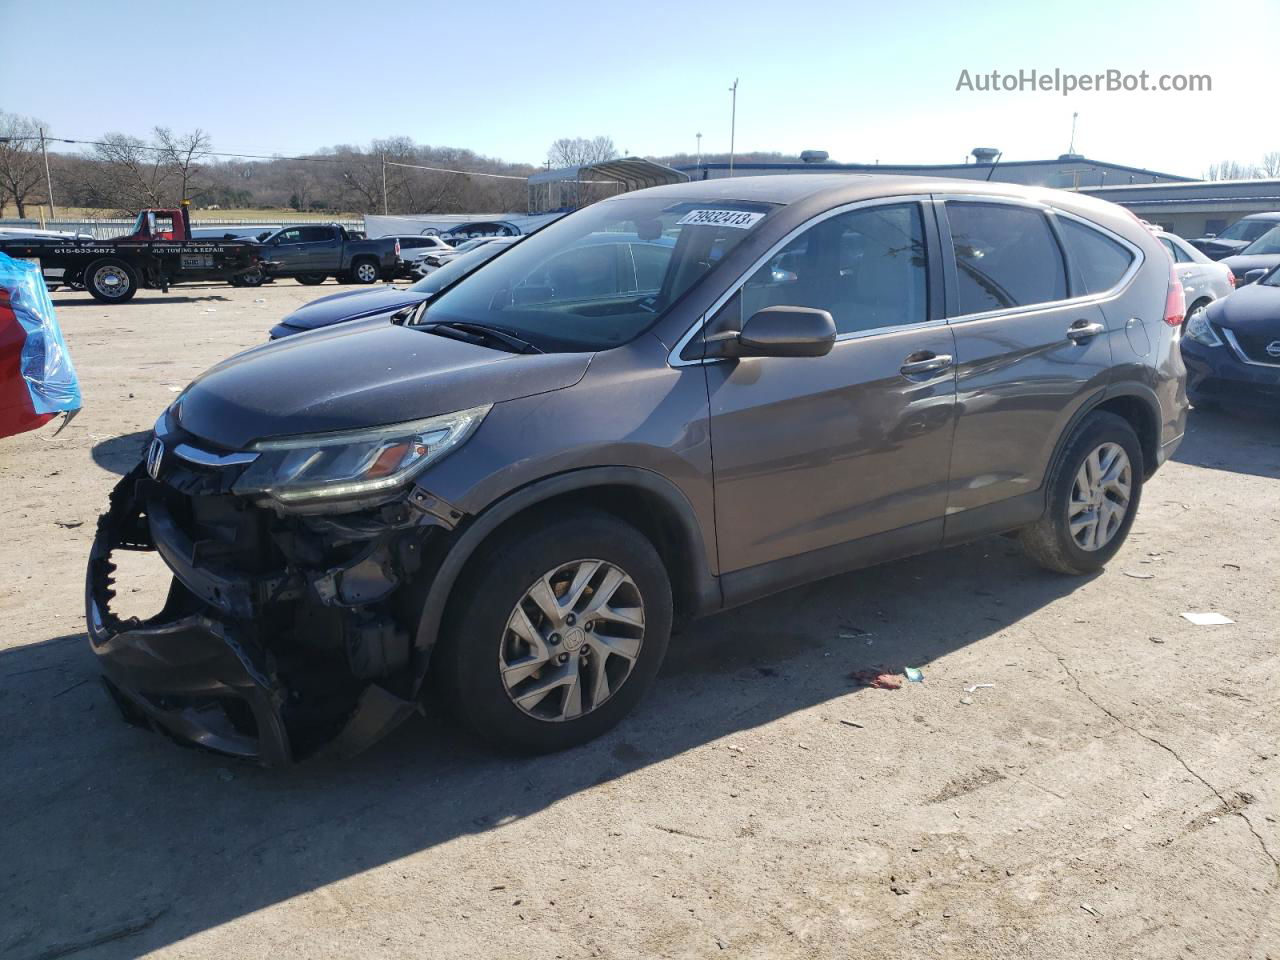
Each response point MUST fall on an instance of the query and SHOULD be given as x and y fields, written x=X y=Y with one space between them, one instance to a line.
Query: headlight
x=1199 y=330
x=354 y=462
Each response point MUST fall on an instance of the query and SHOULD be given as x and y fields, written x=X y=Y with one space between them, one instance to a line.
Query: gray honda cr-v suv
x=516 y=490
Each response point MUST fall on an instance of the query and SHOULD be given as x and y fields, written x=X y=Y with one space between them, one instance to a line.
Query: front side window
x=1006 y=256
x=1099 y=260
x=588 y=281
x=290 y=236
x=868 y=268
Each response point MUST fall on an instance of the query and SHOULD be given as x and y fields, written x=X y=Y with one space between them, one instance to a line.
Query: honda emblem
x=155 y=454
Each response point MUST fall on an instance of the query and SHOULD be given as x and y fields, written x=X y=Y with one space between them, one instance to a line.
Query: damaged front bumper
x=281 y=637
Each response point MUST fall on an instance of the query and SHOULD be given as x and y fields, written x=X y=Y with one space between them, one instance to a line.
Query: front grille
x=1254 y=346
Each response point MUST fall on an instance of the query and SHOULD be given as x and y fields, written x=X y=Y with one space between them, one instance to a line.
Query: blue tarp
x=45 y=362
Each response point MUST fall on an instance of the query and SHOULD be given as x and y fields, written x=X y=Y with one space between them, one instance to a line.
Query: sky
x=865 y=82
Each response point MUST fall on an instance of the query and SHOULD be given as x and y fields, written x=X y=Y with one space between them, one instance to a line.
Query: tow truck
x=158 y=252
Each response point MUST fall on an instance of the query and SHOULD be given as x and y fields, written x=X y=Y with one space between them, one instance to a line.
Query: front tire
x=255 y=277
x=1094 y=492
x=557 y=631
x=110 y=280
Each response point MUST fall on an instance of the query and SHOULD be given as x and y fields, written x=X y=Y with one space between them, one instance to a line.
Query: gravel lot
x=1114 y=794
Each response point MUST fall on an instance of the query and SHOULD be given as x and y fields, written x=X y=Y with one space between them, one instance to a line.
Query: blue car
x=1232 y=348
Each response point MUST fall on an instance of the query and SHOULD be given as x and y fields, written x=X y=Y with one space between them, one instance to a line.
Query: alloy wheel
x=572 y=640
x=1100 y=497
x=367 y=272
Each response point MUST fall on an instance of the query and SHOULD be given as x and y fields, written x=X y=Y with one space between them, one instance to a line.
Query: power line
x=261 y=156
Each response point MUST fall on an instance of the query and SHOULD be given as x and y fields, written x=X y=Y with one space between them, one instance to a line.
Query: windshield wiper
x=479 y=333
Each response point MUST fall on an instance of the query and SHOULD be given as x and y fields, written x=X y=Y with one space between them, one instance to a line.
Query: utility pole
x=733 y=122
x=47 y=179
x=1071 y=148
x=699 y=160
x=384 y=184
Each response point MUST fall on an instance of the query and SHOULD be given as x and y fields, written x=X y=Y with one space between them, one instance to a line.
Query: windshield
x=1246 y=230
x=460 y=266
x=602 y=276
x=1269 y=242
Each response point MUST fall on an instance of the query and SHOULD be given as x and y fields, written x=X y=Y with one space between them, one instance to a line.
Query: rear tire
x=253 y=278
x=110 y=280
x=311 y=279
x=365 y=271
x=479 y=663
x=1082 y=528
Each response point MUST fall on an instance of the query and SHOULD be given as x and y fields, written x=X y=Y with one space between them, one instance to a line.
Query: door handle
x=1084 y=330
x=925 y=361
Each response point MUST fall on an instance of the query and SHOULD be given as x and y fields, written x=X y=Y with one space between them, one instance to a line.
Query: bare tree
x=21 y=170
x=1231 y=170
x=132 y=174
x=579 y=152
x=183 y=152
x=1271 y=163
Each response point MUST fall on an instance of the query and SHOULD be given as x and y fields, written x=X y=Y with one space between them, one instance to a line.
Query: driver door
x=824 y=463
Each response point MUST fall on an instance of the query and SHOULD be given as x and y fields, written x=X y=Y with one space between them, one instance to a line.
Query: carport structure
x=568 y=188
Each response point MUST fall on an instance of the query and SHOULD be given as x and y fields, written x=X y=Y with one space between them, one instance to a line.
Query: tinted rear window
x=1099 y=260
x=1006 y=256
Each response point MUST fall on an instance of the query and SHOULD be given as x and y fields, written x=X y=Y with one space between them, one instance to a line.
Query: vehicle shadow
x=74 y=299
x=120 y=454
x=1241 y=442
x=112 y=832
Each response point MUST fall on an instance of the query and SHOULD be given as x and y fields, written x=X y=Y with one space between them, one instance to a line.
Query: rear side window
x=1006 y=256
x=316 y=234
x=1099 y=260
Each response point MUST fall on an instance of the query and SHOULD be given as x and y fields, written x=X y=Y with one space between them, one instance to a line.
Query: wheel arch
x=646 y=500
x=1135 y=404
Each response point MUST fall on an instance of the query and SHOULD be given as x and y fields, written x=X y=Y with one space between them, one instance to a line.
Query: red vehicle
x=157 y=253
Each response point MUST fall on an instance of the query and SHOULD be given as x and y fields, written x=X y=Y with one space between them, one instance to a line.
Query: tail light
x=1175 y=304
x=1231 y=277
x=397 y=248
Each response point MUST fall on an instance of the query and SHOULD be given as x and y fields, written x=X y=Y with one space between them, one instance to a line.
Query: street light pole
x=733 y=122
x=699 y=161
x=48 y=180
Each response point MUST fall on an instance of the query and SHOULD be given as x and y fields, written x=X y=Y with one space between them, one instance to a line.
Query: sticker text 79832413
x=742 y=219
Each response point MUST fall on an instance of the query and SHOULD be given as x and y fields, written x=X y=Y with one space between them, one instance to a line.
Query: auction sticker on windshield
x=722 y=218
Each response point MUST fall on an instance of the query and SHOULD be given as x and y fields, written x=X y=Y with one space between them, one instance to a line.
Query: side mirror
x=1253 y=276
x=778 y=332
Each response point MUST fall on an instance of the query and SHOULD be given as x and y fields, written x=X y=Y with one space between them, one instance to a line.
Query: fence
x=102 y=229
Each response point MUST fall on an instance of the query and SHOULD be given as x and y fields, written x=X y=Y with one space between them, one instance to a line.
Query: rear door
x=814 y=452
x=1032 y=346
x=321 y=249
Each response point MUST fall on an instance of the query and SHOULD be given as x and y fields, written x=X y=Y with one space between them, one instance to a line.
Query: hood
x=1253 y=310
x=1241 y=265
x=350 y=305
x=359 y=376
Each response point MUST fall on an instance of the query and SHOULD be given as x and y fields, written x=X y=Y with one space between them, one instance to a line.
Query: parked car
x=313 y=254
x=1257 y=258
x=414 y=247
x=1203 y=281
x=383 y=301
x=575 y=446
x=1237 y=236
x=435 y=259
x=1232 y=349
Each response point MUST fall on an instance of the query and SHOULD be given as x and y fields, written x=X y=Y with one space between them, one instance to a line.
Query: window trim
x=929 y=222
x=1050 y=213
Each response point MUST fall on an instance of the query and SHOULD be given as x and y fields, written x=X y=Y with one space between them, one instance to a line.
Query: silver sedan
x=1203 y=280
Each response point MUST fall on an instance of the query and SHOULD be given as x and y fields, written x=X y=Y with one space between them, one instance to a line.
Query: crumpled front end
x=283 y=635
